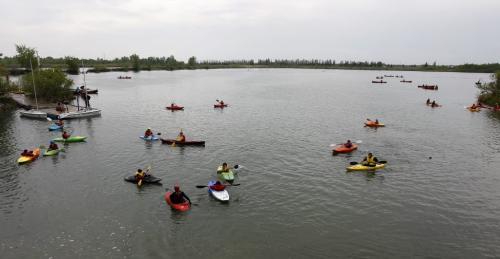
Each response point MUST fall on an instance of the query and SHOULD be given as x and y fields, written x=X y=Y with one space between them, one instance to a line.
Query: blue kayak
x=55 y=127
x=150 y=138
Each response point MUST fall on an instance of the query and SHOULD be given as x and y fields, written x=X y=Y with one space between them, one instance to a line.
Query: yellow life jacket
x=370 y=160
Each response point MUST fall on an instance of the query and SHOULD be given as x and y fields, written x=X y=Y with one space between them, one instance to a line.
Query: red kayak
x=180 y=207
x=344 y=149
x=220 y=105
x=175 y=108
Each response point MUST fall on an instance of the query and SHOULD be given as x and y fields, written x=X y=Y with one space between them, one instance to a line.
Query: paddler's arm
x=187 y=198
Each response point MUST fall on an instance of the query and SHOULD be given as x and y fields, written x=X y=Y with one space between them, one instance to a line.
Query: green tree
x=192 y=62
x=490 y=92
x=24 y=55
x=171 y=62
x=135 y=62
x=51 y=84
x=72 y=65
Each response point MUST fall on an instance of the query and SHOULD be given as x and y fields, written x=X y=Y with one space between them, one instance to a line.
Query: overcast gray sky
x=392 y=31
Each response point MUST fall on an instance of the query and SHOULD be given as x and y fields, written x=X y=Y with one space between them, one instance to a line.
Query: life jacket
x=218 y=187
x=370 y=160
x=140 y=175
x=148 y=133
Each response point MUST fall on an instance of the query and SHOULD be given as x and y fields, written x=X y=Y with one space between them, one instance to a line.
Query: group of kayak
x=180 y=140
x=477 y=107
x=53 y=149
x=175 y=107
x=177 y=199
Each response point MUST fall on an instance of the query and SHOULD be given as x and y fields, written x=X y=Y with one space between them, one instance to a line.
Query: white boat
x=34 y=114
x=82 y=113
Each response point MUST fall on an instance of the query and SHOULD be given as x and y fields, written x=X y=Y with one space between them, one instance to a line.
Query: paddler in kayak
x=65 y=135
x=178 y=197
x=139 y=175
x=148 y=133
x=59 y=123
x=221 y=102
x=428 y=101
x=369 y=160
x=348 y=144
x=181 y=137
x=53 y=146
x=218 y=186
x=27 y=153
x=225 y=168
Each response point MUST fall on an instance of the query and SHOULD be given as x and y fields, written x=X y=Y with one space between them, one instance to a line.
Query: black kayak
x=148 y=179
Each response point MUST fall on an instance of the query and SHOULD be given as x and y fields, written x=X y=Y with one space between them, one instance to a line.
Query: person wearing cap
x=178 y=197
x=148 y=133
x=53 y=146
x=369 y=160
x=348 y=144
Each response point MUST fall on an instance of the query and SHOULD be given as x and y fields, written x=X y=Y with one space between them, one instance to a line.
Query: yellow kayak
x=26 y=159
x=360 y=167
x=473 y=109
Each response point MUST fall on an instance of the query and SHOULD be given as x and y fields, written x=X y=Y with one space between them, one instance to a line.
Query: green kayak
x=52 y=152
x=226 y=176
x=71 y=139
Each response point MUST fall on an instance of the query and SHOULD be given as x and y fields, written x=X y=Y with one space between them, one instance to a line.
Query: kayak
x=71 y=139
x=55 y=127
x=52 y=152
x=220 y=105
x=226 y=176
x=360 y=167
x=175 y=108
x=150 y=138
x=218 y=195
x=473 y=109
x=373 y=124
x=180 y=207
x=27 y=159
x=185 y=143
x=147 y=179
x=343 y=149
x=378 y=82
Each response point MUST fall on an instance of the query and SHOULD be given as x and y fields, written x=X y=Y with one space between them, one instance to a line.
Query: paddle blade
x=236 y=166
x=201 y=186
x=359 y=141
x=353 y=163
x=382 y=162
x=49 y=119
x=139 y=183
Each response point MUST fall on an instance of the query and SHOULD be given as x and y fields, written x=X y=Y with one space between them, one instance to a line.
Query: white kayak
x=218 y=195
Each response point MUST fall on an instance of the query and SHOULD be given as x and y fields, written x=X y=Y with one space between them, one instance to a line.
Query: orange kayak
x=27 y=159
x=344 y=149
x=373 y=124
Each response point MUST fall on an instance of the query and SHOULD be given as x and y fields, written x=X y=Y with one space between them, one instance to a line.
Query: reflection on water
x=295 y=198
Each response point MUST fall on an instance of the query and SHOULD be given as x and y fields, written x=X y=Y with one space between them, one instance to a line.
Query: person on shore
x=148 y=133
x=178 y=196
x=65 y=135
x=181 y=137
x=53 y=146
x=348 y=144
x=369 y=160
x=60 y=107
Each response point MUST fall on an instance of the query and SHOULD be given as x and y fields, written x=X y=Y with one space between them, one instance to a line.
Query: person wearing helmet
x=148 y=133
x=53 y=146
x=178 y=196
x=369 y=160
x=348 y=144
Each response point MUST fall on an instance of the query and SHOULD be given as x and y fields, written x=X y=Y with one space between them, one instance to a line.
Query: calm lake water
x=296 y=200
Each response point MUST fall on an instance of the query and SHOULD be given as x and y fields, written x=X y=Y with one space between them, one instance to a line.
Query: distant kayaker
x=225 y=168
x=148 y=133
x=181 y=137
x=376 y=121
x=173 y=105
x=139 y=175
x=348 y=144
x=65 y=135
x=433 y=104
x=53 y=146
x=221 y=102
x=428 y=101
x=27 y=153
x=473 y=106
x=178 y=197
x=369 y=160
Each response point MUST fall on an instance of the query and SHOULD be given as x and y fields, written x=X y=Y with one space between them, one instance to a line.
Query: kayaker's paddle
x=140 y=181
x=203 y=186
x=49 y=119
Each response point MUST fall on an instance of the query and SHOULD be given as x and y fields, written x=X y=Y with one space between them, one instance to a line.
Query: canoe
x=27 y=159
x=175 y=108
x=218 y=195
x=71 y=139
x=53 y=127
x=473 y=109
x=147 y=179
x=179 y=207
x=373 y=124
x=150 y=138
x=220 y=105
x=226 y=176
x=343 y=149
x=379 y=82
x=185 y=143
x=360 y=167
x=52 y=152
